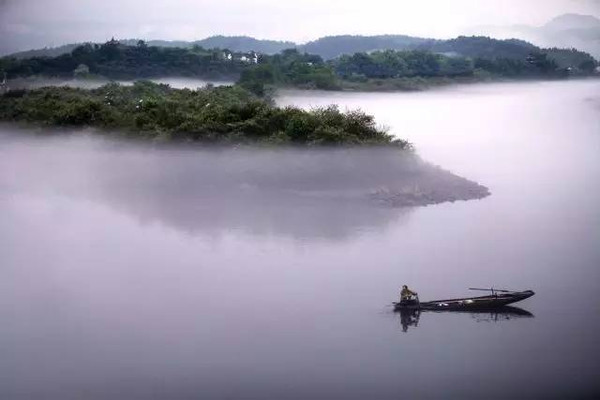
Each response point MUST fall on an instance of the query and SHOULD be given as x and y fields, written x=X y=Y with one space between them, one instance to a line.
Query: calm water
x=123 y=278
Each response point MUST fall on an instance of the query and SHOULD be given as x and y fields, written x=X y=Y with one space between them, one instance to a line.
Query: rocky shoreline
x=430 y=187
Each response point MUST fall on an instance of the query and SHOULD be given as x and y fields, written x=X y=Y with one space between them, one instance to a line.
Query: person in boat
x=406 y=294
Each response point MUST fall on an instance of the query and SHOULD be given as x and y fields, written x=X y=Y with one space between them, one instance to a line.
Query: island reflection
x=305 y=195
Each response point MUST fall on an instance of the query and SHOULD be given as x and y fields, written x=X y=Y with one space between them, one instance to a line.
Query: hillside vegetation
x=218 y=115
x=118 y=61
x=431 y=63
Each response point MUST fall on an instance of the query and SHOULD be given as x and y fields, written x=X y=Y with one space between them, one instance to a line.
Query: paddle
x=492 y=290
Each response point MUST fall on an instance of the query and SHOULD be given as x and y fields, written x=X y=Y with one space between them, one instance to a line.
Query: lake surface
x=119 y=279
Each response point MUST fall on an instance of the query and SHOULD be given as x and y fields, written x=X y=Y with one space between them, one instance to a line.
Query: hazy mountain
x=67 y=48
x=333 y=46
x=327 y=47
x=466 y=46
x=568 y=31
x=245 y=43
x=47 y=51
x=573 y=21
x=481 y=46
x=159 y=43
x=233 y=43
x=330 y=47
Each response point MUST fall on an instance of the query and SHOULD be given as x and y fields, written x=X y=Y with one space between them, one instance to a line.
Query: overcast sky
x=28 y=24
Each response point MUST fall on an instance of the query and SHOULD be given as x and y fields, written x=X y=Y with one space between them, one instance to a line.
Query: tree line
x=487 y=59
x=115 y=60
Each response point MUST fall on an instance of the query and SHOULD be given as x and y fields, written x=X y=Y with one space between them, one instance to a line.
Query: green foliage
x=209 y=115
x=117 y=61
x=482 y=47
x=395 y=64
x=575 y=60
x=389 y=64
x=428 y=63
x=289 y=68
x=535 y=65
x=254 y=79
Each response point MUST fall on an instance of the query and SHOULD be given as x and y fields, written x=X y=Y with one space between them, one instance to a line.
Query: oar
x=492 y=290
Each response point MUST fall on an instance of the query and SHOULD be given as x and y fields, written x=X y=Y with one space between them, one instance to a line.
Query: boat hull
x=481 y=303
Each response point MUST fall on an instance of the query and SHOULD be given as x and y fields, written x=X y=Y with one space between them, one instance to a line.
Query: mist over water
x=280 y=192
x=134 y=272
x=92 y=83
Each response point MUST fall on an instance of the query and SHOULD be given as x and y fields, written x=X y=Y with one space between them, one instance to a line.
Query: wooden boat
x=498 y=299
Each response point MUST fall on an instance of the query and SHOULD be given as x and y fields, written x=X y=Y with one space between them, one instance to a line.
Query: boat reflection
x=410 y=318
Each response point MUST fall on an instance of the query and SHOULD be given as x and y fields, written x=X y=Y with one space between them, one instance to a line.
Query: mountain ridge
x=579 y=31
x=573 y=21
x=330 y=47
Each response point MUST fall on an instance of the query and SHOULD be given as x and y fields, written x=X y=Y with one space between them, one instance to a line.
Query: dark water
x=121 y=279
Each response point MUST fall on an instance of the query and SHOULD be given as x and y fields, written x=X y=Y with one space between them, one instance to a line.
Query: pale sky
x=28 y=24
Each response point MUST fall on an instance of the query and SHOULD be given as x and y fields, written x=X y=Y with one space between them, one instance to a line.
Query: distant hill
x=573 y=21
x=330 y=47
x=233 y=43
x=466 y=46
x=47 y=51
x=67 y=48
x=567 y=31
x=244 y=44
x=159 y=43
x=481 y=46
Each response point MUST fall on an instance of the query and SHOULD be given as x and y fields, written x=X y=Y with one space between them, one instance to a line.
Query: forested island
x=327 y=155
x=403 y=70
x=212 y=115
